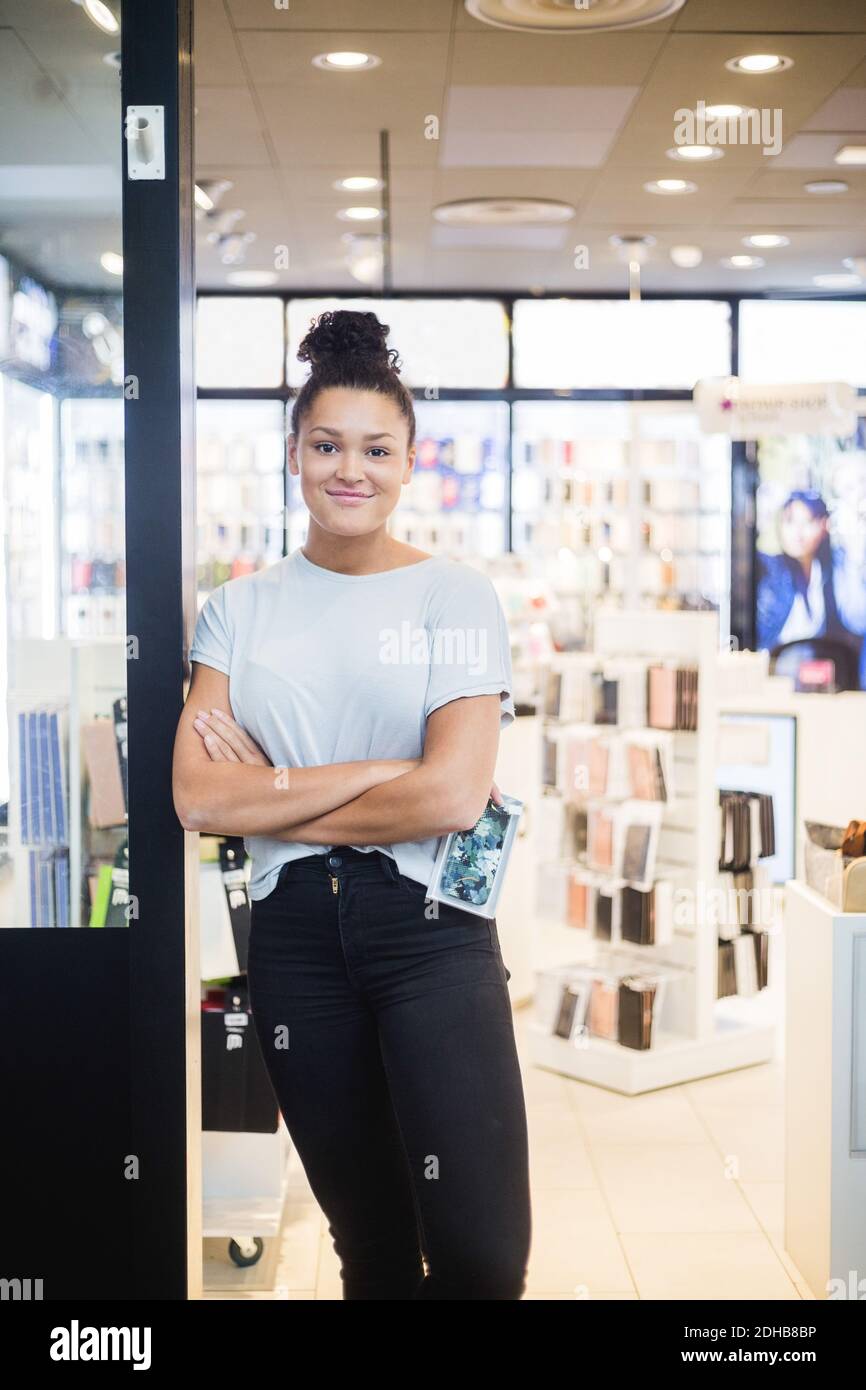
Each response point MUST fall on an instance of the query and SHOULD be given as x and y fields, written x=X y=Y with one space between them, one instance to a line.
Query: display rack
x=622 y=504
x=240 y=500
x=84 y=677
x=92 y=541
x=692 y=1037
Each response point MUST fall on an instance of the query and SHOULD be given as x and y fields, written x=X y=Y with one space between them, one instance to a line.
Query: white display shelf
x=671 y=1060
x=829 y=742
x=693 y=1034
x=825 y=1093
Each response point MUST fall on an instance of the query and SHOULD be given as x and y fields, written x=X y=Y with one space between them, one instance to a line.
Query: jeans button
x=334 y=861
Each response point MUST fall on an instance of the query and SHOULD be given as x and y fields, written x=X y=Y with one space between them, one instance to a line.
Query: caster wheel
x=247 y=1254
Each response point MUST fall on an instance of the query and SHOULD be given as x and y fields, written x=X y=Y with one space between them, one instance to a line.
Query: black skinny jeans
x=389 y=1041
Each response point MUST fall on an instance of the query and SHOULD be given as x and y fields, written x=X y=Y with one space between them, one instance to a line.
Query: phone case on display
x=636 y=998
x=567 y=1010
x=604 y=1009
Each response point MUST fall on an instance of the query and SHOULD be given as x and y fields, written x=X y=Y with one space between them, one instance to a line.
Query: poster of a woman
x=813 y=585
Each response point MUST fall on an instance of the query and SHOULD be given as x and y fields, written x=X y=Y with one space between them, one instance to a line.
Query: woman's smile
x=347 y=496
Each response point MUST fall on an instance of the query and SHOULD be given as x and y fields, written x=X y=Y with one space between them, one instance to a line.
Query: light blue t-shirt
x=334 y=668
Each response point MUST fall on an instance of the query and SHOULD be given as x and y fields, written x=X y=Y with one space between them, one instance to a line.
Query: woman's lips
x=349 y=499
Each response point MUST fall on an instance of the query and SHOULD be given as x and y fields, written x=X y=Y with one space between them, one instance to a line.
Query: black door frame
x=159 y=297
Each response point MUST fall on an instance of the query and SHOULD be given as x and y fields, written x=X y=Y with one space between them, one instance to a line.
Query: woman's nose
x=350 y=468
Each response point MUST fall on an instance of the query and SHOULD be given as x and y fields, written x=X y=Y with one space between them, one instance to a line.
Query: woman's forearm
x=419 y=805
x=228 y=798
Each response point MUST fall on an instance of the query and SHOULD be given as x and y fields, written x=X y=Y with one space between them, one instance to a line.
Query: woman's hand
x=226 y=741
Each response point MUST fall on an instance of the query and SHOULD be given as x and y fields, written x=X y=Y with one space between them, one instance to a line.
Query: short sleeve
x=212 y=639
x=470 y=649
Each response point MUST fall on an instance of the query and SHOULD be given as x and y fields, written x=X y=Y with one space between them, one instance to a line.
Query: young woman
x=344 y=713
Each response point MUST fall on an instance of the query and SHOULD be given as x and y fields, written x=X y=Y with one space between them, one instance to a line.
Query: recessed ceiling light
x=358 y=183
x=359 y=214
x=502 y=211
x=346 y=62
x=252 y=279
x=824 y=187
x=837 y=281
x=765 y=241
x=743 y=262
x=695 y=152
x=850 y=154
x=112 y=262
x=670 y=186
x=203 y=200
x=101 y=15
x=686 y=257
x=726 y=111
x=757 y=63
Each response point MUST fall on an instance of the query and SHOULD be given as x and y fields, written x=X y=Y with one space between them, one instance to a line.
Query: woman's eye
x=325 y=444
x=379 y=452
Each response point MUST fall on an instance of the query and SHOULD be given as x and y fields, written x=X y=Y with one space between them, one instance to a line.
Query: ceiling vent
x=511 y=212
x=568 y=16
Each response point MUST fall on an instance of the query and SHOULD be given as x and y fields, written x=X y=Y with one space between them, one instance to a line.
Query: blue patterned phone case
x=470 y=864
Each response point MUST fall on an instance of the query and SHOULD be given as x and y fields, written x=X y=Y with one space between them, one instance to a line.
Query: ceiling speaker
x=509 y=212
x=570 y=16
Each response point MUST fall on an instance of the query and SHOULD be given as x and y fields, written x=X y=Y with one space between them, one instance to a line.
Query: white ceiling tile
x=510 y=108
x=499 y=238
x=844 y=110
x=527 y=149
x=815 y=152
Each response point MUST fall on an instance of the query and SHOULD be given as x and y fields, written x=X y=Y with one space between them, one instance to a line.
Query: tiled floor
x=677 y=1194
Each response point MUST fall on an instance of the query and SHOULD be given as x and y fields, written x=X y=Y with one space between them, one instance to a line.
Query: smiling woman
x=343 y=760
x=353 y=435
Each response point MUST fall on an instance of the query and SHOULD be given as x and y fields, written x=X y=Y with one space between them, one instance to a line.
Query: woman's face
x=800 y=532
x=352 y=456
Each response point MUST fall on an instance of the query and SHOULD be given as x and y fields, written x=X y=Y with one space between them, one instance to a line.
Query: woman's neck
x=368 y=554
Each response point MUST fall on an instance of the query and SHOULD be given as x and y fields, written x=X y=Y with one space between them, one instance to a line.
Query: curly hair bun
x=342 y=335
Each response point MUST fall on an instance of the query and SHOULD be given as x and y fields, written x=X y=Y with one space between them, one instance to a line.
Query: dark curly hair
x=347 y=348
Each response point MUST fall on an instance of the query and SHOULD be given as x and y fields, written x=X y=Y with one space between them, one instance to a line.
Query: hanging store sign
x=746 y=411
